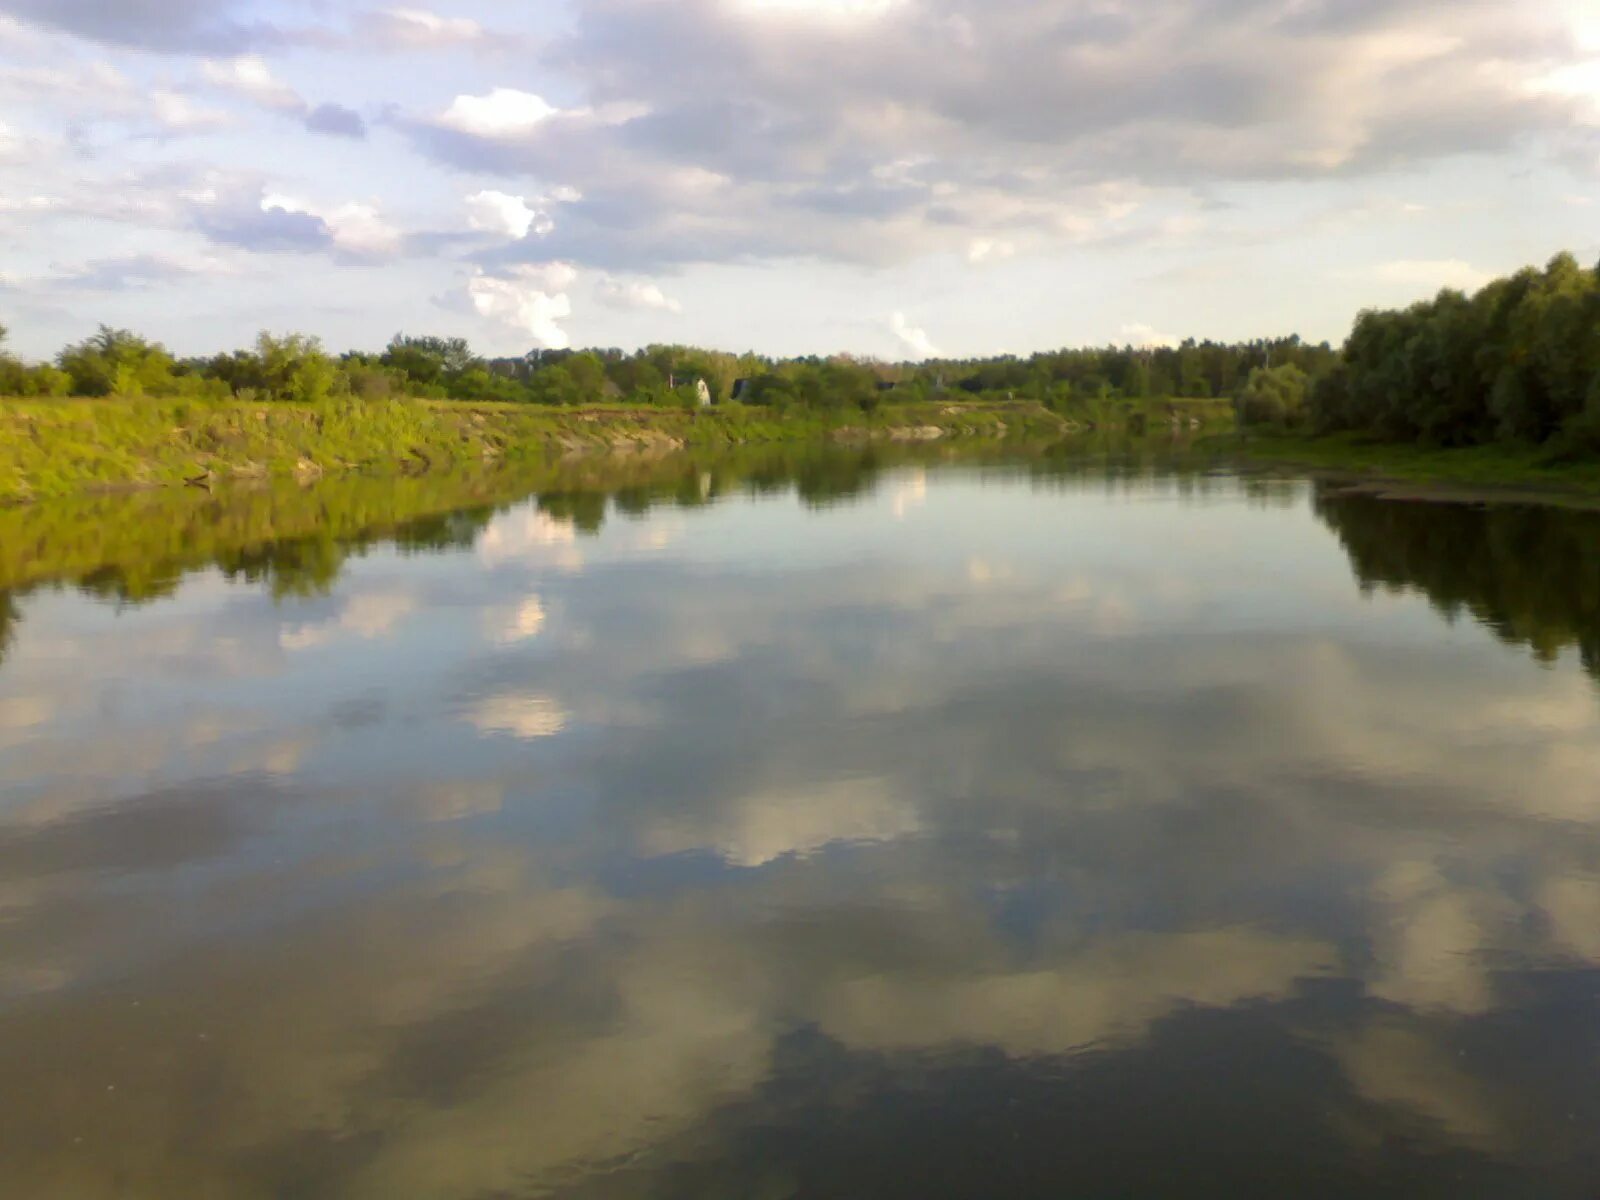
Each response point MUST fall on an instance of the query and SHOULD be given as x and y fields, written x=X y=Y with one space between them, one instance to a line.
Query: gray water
x=974 y=832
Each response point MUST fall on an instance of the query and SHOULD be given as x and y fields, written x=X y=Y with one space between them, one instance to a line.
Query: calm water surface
x=945 y=831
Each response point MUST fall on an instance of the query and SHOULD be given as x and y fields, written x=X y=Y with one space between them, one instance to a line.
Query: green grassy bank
x=137 y=546
x=1490 y=469
x=55 y=448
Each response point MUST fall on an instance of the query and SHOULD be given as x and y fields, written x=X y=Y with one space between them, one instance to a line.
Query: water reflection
x=1054 y=828
x=1531 y=573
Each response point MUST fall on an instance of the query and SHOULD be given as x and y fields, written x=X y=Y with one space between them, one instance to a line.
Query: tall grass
x=62 y=447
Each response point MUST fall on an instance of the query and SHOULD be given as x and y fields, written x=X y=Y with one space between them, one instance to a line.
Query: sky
x=898 y=178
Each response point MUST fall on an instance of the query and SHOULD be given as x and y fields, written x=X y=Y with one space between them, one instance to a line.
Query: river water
x=855 y=827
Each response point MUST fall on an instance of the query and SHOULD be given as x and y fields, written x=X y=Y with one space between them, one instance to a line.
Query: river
x=859 y=826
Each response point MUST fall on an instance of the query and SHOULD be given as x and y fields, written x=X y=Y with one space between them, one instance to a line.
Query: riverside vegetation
x=137 y=549
x=117 y=410
x=1499 y=387
x=1502 y=386
x=1531 y=573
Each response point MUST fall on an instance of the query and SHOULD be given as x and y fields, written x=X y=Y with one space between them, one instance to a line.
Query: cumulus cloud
x=176 y=113
x=337 y=120
x=1432 y=274
x=509 y=216
x=416 y=28
x=529 y=300
x=264 y=229
x=168 y=25
x=696 y=133
x=250 y=76
x=354 y=228
x=1043 y=107
x=275 y=222
x=94 y=92
x=984 y=249
x=912 y=337
x=138 y=272
x=1147 y=337
x=502 y=113
x=818 y=10
x=635 y=294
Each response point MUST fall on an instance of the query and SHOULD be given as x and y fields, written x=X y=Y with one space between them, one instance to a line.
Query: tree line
x=117 y=362
x=1518 y=362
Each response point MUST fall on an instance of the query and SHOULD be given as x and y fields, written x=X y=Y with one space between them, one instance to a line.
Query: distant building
x=702 y=389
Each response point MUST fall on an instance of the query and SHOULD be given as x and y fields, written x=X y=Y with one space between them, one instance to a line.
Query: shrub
x=1274 y=396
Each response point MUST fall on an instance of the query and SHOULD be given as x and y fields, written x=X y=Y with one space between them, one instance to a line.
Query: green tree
x=1274 y=396
x=430 y=361
x=295 y=367
x=574 y=379
x=117 y=362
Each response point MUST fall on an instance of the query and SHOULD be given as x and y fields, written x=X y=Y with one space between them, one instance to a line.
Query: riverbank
x=295 y=535
x=1494 y=472
x=58 y=448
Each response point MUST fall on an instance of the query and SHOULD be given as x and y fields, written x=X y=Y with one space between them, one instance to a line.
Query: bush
x=1274 y=396
x=367 y=381
x=295 y=368
x=115 y=362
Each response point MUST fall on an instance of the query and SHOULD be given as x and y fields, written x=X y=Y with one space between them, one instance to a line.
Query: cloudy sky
x=894 y=177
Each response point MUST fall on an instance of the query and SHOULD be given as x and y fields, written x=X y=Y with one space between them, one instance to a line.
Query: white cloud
x=520 y=624
x=531 y=537
x=507 y=215
x=503 y=113
x=1146 y=337
x=764 y=828
x=523 y=715
x=989 y=249
x=820 y=10
x=367 y=615
x=177 y=113
x=908 y=494
x=251 y=77
x=1432 y=274
x=12 y=146
x=1057 y=123
x=418 y=28
x=635 y=294
x=532 y=301
x=913 y=337
x=355 y=228
x=1048 y=125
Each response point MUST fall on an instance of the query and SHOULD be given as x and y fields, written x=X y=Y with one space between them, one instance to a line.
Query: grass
x=1153 y=414
x=54 y=448
x=1522 y=469
x=137 y=546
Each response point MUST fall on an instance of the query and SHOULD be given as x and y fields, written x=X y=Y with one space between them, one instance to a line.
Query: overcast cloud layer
x=885 y=176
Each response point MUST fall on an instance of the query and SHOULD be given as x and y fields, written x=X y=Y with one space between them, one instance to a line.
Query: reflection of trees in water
x=440 y=532
x=310 y=566
x=585 y=511
x=10 y=614
x=1530 y=574
x=295 y=541
x=303 y=567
